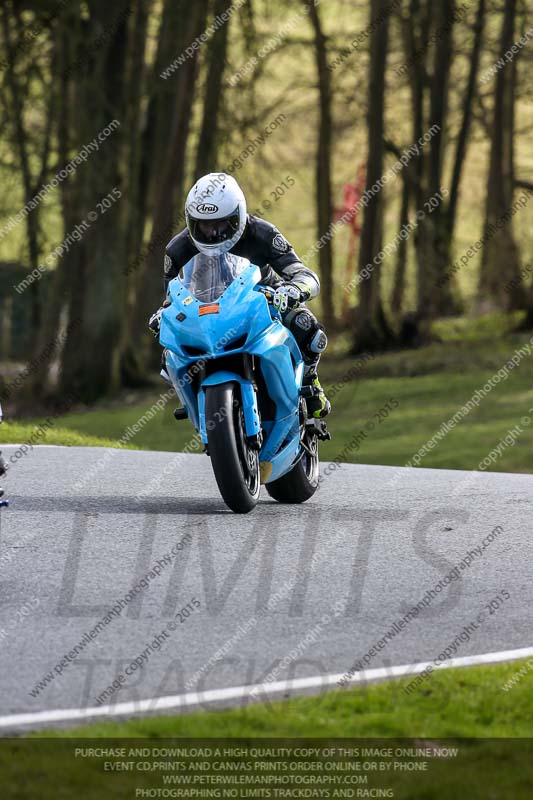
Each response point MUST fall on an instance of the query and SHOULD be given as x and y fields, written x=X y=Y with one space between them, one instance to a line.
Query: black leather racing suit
x=263 y=245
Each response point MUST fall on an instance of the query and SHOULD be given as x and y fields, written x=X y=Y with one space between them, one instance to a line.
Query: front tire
x=302 y=481
x=235 y=463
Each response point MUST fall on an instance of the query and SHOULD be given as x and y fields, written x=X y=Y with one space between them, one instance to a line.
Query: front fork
x=249 y=406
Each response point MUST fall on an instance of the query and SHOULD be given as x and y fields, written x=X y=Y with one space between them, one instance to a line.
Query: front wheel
x=302 y=481
x=235 y=462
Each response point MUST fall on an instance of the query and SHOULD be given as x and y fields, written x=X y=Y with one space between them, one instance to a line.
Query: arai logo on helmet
x=207 y=208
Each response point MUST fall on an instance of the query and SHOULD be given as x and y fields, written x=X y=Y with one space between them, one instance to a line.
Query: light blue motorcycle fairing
x=243 y=324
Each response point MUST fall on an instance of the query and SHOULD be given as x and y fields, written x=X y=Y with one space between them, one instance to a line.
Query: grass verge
x=465 y=707
x=466 y=702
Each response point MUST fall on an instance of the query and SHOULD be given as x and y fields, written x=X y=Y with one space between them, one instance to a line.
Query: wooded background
x=295 y=99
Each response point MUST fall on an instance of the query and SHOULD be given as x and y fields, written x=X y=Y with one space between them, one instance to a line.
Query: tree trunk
x=500 y=264
x=527 y=322
x=324 y=194
x=153 y=146
x=206 y=154
x=137 y=161
x=398 y=289
x=20 y=142
x=167 y=194
x=467 y=105
x=97 y=302
x=136 y=71
x=371 y=330
x=433 y=237
x=59 y=295
x=434 y=253
x=416 y=29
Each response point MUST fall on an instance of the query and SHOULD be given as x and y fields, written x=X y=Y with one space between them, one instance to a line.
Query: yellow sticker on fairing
x=188 y=300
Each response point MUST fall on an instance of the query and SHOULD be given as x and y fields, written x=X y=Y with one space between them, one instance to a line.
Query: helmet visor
x=214 y=231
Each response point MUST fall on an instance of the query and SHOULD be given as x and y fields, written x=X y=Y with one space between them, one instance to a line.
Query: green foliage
x=285 y=81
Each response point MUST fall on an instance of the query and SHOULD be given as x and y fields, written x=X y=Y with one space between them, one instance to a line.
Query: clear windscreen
x=207 y=277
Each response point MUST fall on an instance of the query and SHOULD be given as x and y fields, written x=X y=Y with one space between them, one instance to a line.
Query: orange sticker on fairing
x=211 y=309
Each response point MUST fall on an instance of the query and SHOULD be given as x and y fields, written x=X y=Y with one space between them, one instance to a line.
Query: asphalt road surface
x=285 y=593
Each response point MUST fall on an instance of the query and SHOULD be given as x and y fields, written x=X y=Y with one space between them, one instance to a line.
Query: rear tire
x=302 y=481
x=235 y=463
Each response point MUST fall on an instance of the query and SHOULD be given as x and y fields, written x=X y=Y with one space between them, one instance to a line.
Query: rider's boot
x=318 y=405
x=163 y=372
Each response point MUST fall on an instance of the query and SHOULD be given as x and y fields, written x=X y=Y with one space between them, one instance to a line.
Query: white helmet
x=215 y=211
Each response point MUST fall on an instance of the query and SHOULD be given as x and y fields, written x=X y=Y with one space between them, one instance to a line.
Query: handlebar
x=268 y=293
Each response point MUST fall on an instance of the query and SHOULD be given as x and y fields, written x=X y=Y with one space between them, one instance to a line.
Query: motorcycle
x=238 y=372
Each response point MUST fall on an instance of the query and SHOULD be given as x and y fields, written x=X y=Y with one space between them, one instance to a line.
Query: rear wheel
x=235 y=462
x=301 y=482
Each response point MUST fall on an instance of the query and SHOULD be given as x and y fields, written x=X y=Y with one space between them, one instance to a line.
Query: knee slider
x=319 y=342
x=309 y=333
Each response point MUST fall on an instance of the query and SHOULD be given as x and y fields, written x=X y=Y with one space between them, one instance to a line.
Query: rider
x=217 y=222
x=3 y=465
